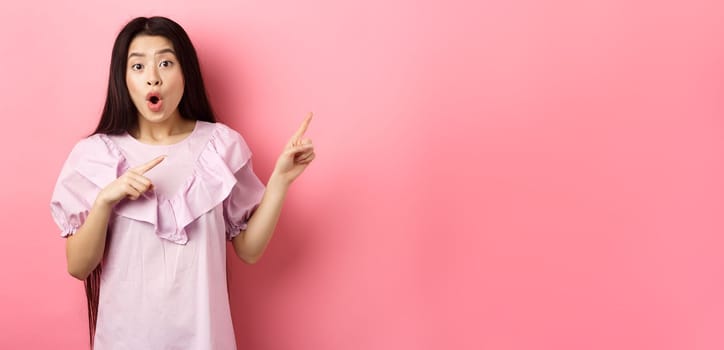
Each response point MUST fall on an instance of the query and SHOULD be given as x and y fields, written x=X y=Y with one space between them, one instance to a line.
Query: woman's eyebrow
x=162 y=51
x=167 y=50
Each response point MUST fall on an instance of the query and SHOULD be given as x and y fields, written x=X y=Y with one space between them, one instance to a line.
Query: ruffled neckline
x=210 y=183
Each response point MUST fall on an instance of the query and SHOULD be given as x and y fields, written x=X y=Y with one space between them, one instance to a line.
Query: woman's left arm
x=250 y=244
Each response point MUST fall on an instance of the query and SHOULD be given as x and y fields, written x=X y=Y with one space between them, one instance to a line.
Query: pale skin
x=160 y=72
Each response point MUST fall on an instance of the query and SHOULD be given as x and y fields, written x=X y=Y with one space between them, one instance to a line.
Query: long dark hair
x=120 y=114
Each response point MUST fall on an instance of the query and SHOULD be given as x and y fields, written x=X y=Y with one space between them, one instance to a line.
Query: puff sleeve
x=89 y=167
x=242 y=201
x=247 y=189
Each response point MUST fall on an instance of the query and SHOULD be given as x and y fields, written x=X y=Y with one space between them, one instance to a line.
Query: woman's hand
x=131 y=184
x=297 y=155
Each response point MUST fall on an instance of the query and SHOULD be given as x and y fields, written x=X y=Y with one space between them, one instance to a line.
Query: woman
x=147 y=202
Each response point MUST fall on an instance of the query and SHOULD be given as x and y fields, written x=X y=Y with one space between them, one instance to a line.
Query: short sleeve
x=71 y=203
x=244 y=198
x=88 y=166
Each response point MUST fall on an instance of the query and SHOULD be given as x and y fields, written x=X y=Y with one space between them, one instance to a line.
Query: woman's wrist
x=278 y=183
x=102 y=204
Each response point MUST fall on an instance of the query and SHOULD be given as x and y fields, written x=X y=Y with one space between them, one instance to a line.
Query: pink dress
x=163 y=284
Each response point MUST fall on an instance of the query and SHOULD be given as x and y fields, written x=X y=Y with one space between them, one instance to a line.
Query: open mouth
x=154 y=101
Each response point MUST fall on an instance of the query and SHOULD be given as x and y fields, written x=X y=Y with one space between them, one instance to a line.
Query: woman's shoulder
x=93 y=158
x=92 y=141
x=227 y=144
x=93 y=148
x=221 y=133
x=219 y=129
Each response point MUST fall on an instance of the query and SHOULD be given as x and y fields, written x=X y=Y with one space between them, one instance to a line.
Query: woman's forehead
x=144 y=45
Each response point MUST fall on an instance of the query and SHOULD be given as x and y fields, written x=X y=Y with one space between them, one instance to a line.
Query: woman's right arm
x=84 y=249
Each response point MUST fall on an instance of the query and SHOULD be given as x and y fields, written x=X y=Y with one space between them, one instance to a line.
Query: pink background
x=502 y=175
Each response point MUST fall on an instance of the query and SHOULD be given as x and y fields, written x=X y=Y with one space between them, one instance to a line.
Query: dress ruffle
x=210 y=183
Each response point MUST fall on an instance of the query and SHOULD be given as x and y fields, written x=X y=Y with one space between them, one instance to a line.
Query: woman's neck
x=168 y=131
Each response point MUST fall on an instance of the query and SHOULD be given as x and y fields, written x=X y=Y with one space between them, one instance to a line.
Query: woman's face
x=154 y=78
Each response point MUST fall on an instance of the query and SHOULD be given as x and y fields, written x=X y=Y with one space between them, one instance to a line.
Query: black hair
x=119 y=113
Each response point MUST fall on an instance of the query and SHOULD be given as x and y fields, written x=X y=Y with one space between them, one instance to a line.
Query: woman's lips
x=154 y=101
x=155 y=107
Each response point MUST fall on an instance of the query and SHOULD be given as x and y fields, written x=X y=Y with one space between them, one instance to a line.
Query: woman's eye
x=136 y=66
x=165 y=64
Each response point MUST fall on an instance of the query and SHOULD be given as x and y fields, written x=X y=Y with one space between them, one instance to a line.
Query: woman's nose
x=153 y=78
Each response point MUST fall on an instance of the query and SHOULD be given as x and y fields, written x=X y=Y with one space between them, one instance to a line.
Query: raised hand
x=132 y=184
x=297 y=154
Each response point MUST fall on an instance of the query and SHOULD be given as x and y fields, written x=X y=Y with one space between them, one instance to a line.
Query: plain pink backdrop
x=490 y=175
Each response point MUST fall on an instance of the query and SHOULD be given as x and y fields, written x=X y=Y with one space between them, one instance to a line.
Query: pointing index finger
x=303 y=128
x=150 y=165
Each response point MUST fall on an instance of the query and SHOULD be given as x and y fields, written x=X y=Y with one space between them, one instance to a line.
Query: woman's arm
x=250 y=244
x=84 y=249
